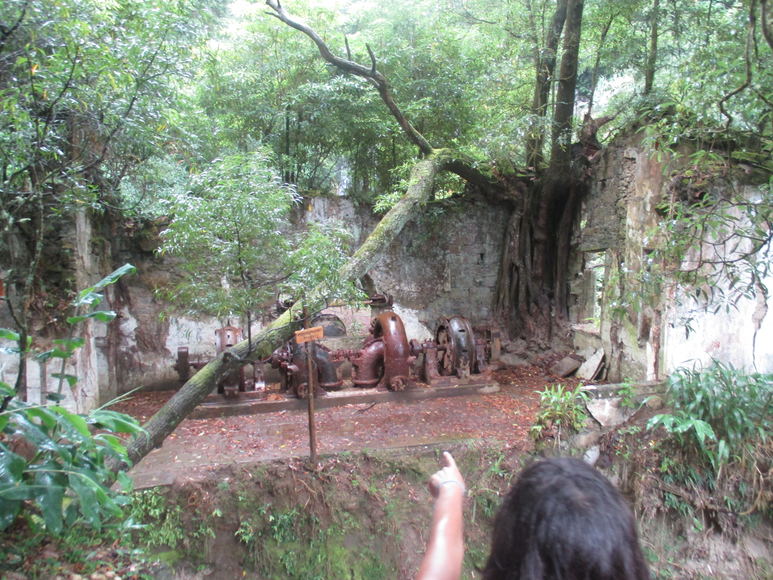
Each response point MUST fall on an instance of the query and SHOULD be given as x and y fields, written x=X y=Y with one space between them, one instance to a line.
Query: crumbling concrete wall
x=647 y=335
x=445 y=263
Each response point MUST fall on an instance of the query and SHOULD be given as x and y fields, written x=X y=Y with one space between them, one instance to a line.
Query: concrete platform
x=253 y=403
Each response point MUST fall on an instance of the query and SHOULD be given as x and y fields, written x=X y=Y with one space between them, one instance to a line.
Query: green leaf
x=71 y=379
x=17 y=491
x=113 y=442
x=9 y=334
x=703 y=430
x=70 y=344
x=35 y=433
x=86 y=490
x=53 y=353
x=9 y=509
x=12 y=466
x=49 y=497
x=100 y=315
x=76 y=421
x=114 y=421
x=89 y=295
x=47 y=417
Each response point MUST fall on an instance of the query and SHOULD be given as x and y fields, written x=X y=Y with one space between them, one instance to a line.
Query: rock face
x=446 y=265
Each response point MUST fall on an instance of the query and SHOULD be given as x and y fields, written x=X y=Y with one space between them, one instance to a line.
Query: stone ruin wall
x=439 y=266
x=444 y=263
x=667 y=331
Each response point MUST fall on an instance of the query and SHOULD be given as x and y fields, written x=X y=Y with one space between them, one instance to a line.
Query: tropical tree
x=82 y=90
x=236 y=250
x=520 y=100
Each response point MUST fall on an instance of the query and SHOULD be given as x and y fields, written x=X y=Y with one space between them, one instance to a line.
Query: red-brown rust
x=368 y=364
x=397 y=353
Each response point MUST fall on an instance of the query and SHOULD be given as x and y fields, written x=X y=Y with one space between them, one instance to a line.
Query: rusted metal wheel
x=445 y=350
x=302 y=390
x=456 y=346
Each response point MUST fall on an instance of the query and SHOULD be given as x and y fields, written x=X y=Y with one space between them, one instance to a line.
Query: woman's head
x=563 y=520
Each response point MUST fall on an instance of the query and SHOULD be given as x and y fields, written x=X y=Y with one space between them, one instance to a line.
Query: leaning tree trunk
x=265 y=342
x=193 y=392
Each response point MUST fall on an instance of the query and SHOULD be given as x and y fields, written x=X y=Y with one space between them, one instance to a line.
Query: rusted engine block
x=388 y=359
x=292 y=362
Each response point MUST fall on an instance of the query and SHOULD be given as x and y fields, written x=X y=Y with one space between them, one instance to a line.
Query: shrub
x=53 y=463
x=561 y=410
x=719 y=411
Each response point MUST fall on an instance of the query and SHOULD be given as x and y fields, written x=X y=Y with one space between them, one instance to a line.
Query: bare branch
x=349 y=66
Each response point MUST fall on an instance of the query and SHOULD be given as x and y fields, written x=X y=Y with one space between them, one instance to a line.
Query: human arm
x=445 y=549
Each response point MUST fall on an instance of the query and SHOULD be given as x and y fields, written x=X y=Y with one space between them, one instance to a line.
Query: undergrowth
x=704 y=468
x=561 y=413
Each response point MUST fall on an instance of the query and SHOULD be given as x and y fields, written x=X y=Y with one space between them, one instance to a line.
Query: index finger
x=448 y=460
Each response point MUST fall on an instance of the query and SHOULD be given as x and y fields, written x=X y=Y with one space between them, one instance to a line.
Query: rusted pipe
x=368 y=365
x=397 y=354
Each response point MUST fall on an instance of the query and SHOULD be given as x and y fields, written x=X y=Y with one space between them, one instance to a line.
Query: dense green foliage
x=722 y=413
x=54 y=463
x=464 y=73
x=84 y=89
x=236 y=250
x=114 y=105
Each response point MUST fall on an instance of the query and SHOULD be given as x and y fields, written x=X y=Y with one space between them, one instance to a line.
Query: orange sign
x=309 y=334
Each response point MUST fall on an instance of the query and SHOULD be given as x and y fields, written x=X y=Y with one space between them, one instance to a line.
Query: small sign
x=309 y=334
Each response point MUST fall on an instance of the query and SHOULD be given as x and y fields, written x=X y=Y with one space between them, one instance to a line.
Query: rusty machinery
x=388 y=359
x=290 y=359
x=232 y=382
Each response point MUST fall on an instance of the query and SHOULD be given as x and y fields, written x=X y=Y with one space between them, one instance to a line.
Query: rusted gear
x=398 y=384
x=456 y=346
x=302 y=390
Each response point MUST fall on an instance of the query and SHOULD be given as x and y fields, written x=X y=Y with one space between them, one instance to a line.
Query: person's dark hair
x=563 y=520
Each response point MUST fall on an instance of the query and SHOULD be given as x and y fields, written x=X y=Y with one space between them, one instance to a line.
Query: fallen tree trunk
x=193 y=392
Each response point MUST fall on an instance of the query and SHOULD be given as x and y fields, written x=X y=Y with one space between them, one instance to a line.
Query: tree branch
x=748 y=66
x=369 y=73
x=766 y=26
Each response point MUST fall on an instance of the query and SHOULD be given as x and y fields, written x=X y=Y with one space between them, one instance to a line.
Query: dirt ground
x=201 y=445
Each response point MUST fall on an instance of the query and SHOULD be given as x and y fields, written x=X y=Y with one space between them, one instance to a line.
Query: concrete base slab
x=250 y=403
